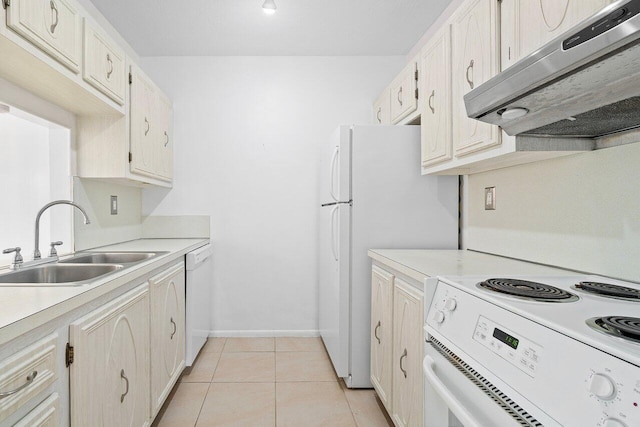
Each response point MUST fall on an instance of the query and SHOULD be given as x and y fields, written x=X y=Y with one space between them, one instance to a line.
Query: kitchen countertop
x=420 y=264
x=23 y=308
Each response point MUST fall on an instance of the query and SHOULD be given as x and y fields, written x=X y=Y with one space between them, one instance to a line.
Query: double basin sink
x=80 y=269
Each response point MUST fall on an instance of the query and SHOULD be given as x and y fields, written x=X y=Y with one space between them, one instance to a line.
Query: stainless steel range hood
x=584 y=84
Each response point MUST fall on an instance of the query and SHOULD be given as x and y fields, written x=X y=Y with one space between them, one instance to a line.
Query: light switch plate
x=490 y=198
x=114 y=205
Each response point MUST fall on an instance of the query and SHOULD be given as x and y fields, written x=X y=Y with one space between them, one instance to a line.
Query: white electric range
x=533 y=351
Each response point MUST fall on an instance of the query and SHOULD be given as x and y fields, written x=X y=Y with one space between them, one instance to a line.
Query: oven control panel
x=512 y=347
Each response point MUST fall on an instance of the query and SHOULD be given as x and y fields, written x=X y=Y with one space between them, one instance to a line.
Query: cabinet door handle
x=110 y=62
x=401 y=365
x=126 y=390
x=166 y=136
x=148 y=126
x=378 y=115
x=375 y=332
x=400 y=96
x=175 y=328
x=470 y=80
x=433 y=94
x=54 y=9
x=30 y=378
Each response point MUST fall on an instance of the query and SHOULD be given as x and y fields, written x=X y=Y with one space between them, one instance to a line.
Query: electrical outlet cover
x=490 y=198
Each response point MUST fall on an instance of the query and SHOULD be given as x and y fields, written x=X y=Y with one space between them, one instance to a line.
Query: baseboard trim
x=280 y=333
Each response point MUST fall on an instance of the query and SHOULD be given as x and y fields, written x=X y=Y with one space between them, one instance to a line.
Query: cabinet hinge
x=68 y=355
x=130 y=157
x=416 y=75
x=417 y=93
x=6 y=3
x=130 y=78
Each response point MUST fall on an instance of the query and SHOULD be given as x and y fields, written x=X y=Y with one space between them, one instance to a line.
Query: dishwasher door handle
x=459 y=410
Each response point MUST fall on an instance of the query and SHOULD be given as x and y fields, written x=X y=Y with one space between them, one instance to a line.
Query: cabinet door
x=526 y=25
x=110 y=371
x=165 y=144
x=436 y=88
x=104 y=65
x=381 y=333
x=475 y=60
x=167 y=292
x=407 y=355
x=404 y=97
x=52 y=25
x=381 y=109
x=144 y=127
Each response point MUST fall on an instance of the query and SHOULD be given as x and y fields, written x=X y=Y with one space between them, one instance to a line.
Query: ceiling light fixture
x=269 y=7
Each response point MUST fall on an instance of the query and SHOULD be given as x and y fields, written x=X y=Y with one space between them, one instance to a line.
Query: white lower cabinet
x=27 y=374
x=407 y=355
x=46 y=414
x=167 y=292
x=396 y=346
x=110 y=371
x=381 y=333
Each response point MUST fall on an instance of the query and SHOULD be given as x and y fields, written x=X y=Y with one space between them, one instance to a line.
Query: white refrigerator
x=372 y=196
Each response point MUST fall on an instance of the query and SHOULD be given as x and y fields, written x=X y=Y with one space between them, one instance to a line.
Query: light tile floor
x=255 y=382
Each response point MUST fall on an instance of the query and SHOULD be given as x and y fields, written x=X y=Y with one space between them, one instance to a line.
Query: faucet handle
x=17 y=259
x=53 y=251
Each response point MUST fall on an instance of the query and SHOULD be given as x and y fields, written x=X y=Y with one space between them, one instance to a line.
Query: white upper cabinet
x=404 y=93
x=382 y=109
x=475 y=60
x=52 y=25
x=104 y=64
x=151 y=138
x=526 y=25
x=436 y=89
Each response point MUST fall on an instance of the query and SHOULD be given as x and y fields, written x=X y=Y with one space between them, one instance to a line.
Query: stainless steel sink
x=110 y=257
x=58 y=274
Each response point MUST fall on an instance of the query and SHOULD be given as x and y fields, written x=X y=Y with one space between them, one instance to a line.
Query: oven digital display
x=509 y=340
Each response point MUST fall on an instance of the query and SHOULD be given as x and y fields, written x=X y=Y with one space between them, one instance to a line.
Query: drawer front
x=52 y=25
x=45 y=414
x=104 y=65
x=27 y=373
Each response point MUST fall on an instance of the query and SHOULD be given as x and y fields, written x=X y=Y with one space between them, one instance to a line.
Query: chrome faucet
x=36 y=252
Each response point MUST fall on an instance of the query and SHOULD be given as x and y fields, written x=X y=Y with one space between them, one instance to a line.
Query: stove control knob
x=451 y=304
x=603 y=388
x=438 y=317
x=612 y=422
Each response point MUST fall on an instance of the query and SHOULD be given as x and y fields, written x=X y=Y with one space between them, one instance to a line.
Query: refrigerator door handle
x=350 y=203
x=333 y=233
x=333 y=173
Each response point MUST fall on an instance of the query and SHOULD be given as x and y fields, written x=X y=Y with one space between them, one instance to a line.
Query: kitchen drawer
x=16 y=374
x=52 y=25
x=104 y=65
x=45 y=414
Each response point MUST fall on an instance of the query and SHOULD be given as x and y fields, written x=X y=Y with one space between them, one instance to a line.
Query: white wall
x=247 y=131
x=580 y=212
x=105 y=229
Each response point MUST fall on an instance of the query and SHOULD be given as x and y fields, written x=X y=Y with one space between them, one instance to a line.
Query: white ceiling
x=299 y=27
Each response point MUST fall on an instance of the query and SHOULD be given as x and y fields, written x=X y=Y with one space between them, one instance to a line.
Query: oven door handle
x=459 y=410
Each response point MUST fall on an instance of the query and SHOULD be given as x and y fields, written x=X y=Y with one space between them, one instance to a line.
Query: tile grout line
x=202 y=405
x=344 y=393
x=275 y=384
x=210 y=382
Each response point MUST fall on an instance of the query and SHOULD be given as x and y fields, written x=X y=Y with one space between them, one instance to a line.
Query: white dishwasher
x=198 y=299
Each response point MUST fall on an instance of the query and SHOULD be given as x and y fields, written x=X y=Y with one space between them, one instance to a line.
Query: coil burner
x=524 y=289
x=627 y=328
x=609 y=290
